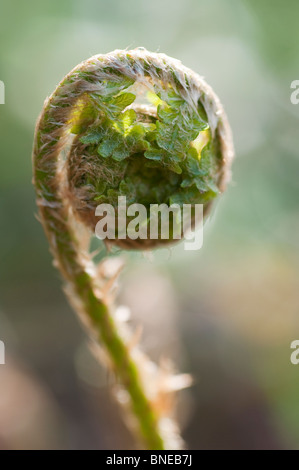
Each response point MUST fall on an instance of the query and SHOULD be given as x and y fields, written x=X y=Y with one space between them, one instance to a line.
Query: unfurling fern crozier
x=134 y=124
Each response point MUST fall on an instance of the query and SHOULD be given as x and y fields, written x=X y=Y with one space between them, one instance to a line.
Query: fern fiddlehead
x=134 y=124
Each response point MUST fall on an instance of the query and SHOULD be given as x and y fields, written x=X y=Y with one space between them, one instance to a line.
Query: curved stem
x=123 y=364
x=67 y=251
x=102 y=322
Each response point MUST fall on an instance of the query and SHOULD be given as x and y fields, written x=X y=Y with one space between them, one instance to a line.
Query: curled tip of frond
x=134 y=124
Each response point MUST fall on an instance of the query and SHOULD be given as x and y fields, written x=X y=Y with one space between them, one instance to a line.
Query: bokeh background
x=227 y=313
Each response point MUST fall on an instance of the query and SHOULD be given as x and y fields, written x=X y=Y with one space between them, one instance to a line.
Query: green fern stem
x=174 y=147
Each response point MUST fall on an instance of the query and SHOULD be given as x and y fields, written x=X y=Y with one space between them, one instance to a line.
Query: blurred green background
x=227 y=313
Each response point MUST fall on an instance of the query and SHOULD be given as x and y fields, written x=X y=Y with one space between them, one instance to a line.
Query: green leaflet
x=83 y=116
x=202 y=112
x=167 y=114
x=161 y=165
x=120 y=102
x=168 y=138
x=173 y=166
x=93 y=137
x=202 y=173
x=154 y=154
x=121 y=153
x=107 y=146
x=193 y=165
x=188 y=196
x=127 y=119
x=154 y=99
x=116 y=84
x=178 y=125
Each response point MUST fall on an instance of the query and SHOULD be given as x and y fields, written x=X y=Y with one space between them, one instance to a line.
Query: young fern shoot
x=134 y=124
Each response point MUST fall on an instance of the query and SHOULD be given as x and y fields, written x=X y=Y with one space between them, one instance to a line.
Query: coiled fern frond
x=134 y=124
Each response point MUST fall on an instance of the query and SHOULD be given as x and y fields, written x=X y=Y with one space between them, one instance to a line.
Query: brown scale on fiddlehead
x=133 y=124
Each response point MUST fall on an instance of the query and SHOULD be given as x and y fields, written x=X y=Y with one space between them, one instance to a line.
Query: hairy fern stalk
x=135 y=124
